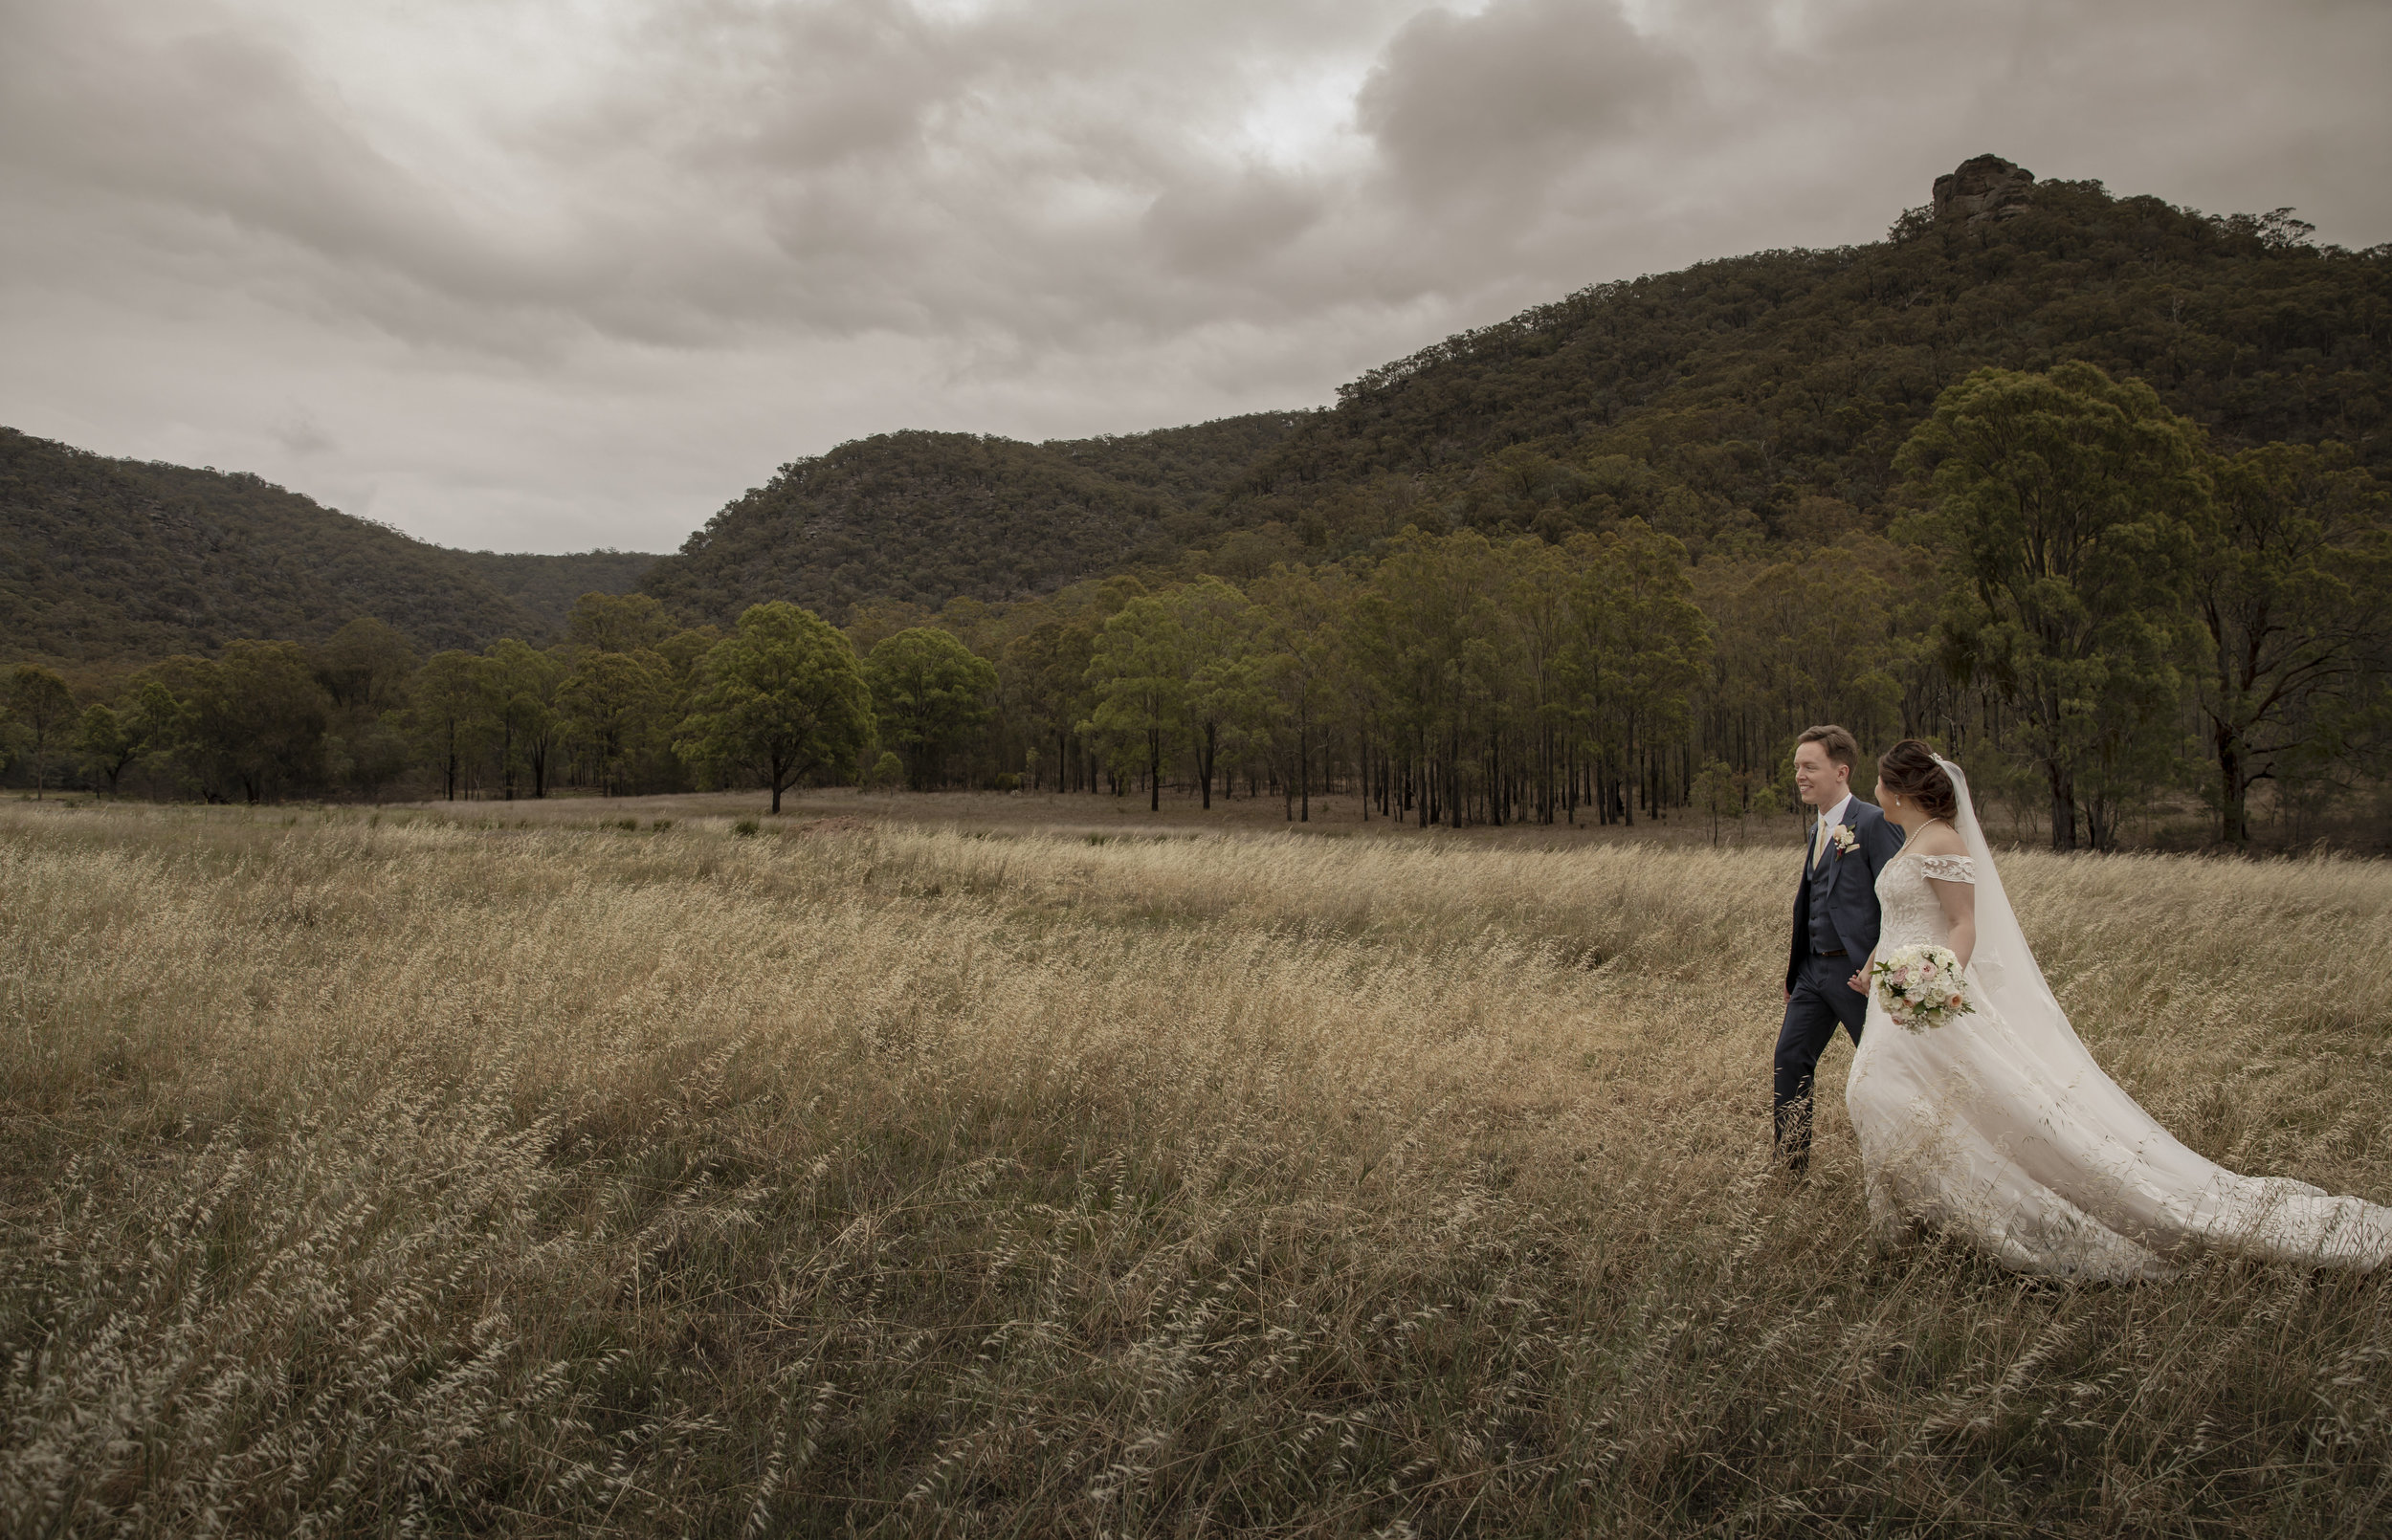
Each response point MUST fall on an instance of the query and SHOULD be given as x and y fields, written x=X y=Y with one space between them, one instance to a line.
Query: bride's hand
x=1858 y=983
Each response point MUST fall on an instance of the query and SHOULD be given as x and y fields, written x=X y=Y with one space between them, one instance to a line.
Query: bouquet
x=1921 y=986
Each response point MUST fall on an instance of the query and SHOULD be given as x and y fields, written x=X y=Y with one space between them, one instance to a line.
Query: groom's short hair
x=1838 y=744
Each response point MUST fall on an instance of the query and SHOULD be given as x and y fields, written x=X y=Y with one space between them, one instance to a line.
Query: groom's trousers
x=1821 y=1000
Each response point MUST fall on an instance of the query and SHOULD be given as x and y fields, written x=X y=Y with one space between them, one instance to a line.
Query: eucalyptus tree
x=1427 y=629
x=2289 y=595
x=1226 y=656
x=108 y=743
x=42 y=706
x=520 y=690
x=2068 y=503
x=930 y=693
x=1043 y=673
x=784 y=698
x=1293 y=670
x=615 y=705
x=1640 y=647
x=1137 y=674
x=115 y=737
x=365 y=667
x=617 y=623
x=445 y=711
x=260 y=718
x=1539 y=602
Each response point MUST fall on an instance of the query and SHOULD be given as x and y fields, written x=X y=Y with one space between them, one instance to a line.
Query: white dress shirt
x=1828 y=820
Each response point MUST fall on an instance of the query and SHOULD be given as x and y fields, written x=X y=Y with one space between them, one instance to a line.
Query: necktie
x=1819 y=841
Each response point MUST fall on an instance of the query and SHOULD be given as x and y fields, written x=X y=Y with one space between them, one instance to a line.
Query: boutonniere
x=1845 y=841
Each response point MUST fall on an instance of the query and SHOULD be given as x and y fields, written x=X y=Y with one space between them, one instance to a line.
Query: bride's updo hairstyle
x=1910 y=772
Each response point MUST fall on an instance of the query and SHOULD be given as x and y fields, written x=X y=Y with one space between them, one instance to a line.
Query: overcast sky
x=548 y=274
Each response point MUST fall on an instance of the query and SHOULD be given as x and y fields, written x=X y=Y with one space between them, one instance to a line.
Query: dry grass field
x=382 y=1173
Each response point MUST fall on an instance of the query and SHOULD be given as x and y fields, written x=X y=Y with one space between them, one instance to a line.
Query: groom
x=1835 y=926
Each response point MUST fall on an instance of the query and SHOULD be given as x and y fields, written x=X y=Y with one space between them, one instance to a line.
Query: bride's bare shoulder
x=1937 y=839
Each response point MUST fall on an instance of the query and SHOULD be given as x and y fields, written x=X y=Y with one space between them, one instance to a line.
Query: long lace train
x=2001 y=1127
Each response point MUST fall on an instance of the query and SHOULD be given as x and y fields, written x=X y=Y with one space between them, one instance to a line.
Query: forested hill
x=546 y=585
x=1747 y=400
x=115 y=561
x=927 y=518
x=1742 y=404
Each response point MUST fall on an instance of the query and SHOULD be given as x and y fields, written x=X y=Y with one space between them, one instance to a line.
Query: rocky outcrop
x=1985 y=186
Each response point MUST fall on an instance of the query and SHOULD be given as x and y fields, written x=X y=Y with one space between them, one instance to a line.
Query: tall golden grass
x=377 y=1176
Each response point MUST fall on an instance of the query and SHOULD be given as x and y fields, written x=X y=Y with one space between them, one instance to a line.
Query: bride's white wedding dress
x=2000 y=1128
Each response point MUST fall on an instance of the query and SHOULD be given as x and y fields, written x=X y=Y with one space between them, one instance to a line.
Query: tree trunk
x=1304 y=763
x=2063 y=808
x=2233 y=790
x=1153 y=771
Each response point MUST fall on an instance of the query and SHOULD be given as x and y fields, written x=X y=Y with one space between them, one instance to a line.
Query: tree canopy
x=930 y=693
x=784 y=698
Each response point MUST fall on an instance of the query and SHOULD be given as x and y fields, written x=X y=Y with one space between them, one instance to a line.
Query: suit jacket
x=1851 y=886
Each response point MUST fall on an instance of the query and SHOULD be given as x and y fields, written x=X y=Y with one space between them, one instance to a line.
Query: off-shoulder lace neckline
x=1956 y=867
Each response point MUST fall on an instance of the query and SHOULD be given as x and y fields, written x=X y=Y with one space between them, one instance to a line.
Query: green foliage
x=1717 y=793
x=617 y=623
x=1584 y=558
x=39 y=698
x=365 y=667
x=547 y=587
x=928 y=692
x=784 y=699
x=2290 y=600
x=522 y=691
x=1138 y=672
x=119 y=559
x=445 y=713
x=40 y=706
x=2068 y=504
x=1523 y=670
x=1042 y=654
x=925 y=517
x=1281 y=665
x=107 y=744
x=256 y=722
x=1742 y=404
x=617 y=706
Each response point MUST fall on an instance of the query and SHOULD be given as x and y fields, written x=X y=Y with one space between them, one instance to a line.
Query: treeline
x=2082 y=599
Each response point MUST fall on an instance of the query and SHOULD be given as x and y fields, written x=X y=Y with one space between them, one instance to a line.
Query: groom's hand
x=1858 y=983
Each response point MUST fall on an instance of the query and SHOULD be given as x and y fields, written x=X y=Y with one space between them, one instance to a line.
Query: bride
x=2000 y=1128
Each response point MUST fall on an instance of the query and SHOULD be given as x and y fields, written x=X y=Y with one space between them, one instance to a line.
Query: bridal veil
x=2010 y=1130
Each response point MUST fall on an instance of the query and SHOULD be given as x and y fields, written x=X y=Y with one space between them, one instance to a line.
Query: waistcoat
x=1822 y=932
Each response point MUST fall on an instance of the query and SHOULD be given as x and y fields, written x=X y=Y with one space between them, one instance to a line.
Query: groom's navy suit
x=1835 y=929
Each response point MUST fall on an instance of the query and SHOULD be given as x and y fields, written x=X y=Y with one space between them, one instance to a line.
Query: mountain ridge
x=1743 y=405
x=106 y=561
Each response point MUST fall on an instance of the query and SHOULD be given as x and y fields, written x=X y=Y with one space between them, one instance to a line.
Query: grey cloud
x=1495 y=103
x=1230 y=223
x=302 y=435
x=227 y=127
x=712 y=235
